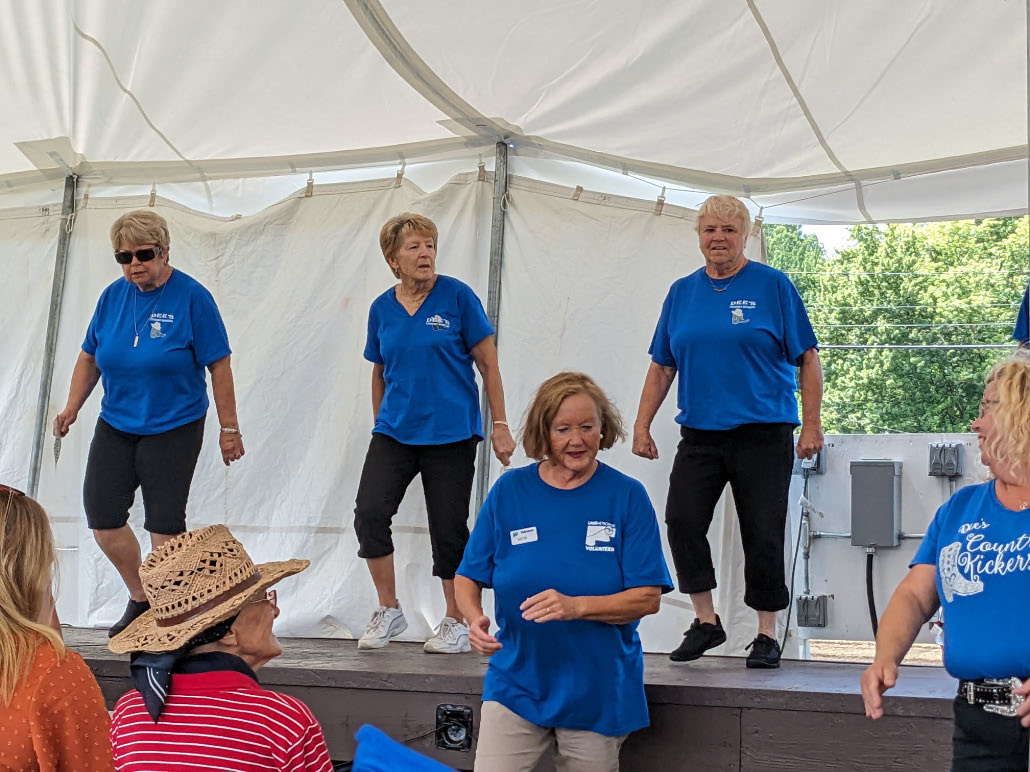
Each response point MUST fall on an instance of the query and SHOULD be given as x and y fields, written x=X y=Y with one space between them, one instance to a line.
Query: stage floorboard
x=712 y=714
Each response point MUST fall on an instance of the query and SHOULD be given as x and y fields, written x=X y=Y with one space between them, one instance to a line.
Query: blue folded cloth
x=377 y=752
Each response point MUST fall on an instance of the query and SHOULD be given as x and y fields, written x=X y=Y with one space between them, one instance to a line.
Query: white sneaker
x=386 y=623
x=452 y=637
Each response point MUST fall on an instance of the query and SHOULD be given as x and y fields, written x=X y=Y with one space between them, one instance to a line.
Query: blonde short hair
x=536 y=436
x=727 y=209
x=28 y=556
x=398 y=228
x=1010 y=446
x=140 y=227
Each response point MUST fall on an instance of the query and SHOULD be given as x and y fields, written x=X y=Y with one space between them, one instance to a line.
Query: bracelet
x=500 y=423
x=229 y=430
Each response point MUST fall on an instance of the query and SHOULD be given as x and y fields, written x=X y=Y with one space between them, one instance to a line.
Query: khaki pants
x=509 y=743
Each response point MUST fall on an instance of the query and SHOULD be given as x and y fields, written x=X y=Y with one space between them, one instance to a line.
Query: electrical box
x=945 y=459
x=812 y=611
x=875 y=502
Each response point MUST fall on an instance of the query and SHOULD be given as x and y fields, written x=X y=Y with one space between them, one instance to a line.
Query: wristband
x=229 y=430
x=500 y=423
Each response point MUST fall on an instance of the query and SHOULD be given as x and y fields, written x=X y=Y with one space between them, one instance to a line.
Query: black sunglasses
x=143 y=255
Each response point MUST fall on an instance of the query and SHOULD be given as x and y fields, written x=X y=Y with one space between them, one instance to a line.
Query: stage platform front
x=708 y=715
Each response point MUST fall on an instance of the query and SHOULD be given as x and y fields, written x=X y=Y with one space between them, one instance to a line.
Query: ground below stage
x=706 y=716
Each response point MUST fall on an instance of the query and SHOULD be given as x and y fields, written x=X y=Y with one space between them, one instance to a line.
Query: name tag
x=523 y=535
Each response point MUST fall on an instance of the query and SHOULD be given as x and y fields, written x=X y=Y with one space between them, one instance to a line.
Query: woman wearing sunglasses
x=52 y=714
x=153 y=333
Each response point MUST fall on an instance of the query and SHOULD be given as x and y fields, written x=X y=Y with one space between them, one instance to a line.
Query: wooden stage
x=708 y=715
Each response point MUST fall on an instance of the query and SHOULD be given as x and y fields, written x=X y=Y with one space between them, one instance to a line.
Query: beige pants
x=509 y=743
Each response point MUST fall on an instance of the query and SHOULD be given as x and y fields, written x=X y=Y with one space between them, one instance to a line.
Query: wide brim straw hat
x=193 y=582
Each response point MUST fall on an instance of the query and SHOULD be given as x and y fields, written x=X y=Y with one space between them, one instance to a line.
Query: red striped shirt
x=222 y=720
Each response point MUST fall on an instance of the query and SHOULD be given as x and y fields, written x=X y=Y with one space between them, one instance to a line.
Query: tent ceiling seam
x=803 y=105
x=139 y=107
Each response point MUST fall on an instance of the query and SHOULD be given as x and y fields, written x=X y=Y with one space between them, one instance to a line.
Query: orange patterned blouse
x=57 y=720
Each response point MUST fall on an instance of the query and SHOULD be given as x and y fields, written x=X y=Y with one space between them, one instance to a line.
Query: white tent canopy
x=818 y=110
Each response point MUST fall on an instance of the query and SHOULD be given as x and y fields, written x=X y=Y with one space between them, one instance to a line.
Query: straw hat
x=194 y=581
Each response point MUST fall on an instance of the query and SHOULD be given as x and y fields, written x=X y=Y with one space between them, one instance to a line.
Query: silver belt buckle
x=1015 y=700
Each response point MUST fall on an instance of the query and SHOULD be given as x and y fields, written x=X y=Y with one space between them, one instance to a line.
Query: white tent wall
x=28 y=242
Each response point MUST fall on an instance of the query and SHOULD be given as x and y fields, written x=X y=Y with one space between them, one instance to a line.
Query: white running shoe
x=452 y=637
x=386 y=623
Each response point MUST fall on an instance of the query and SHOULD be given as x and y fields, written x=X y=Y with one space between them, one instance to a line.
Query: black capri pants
x=447 y=472
x=161 y=464
x=987 y=742
x=756 y=460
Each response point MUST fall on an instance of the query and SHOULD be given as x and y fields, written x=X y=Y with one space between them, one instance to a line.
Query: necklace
x=727 y=285
x=1023 y=504
x=135 y=326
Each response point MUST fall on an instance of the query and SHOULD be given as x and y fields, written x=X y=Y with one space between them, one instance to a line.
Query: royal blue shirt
x=431 y=394
x=982 y=554
x=735 y=351
x=160 y=383
x=598 y=539
x=1022 y=330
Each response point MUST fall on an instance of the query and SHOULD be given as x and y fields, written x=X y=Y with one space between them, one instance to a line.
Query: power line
x=891 y=308
x=897 y=346
x=904 y=273
x=928 y=324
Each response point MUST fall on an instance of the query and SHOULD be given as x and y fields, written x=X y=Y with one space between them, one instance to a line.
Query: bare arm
x=615 y=609
x=224 y=391
x=469 y=596
x=912 y=604
x=485 y=355
x=378 y=389
x=811 y=382
x=656 y=387
x=85 y=376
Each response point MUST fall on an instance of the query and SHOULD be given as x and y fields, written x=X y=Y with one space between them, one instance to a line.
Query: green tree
x=932 y=284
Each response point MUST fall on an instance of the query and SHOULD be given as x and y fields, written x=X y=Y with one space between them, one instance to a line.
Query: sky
x=832 y=237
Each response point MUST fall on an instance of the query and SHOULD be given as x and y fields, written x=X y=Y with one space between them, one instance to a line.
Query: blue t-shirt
x=982 y=554
x=735 y=351
x=160 y=383
x=431 y=394
x=1022 y=330
x=598 y=539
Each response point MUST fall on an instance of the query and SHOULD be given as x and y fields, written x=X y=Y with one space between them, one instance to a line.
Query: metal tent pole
x=53 y=323
x=493 y=306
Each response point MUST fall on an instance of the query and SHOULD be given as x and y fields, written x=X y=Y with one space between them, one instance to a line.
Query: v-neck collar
x=421 y=305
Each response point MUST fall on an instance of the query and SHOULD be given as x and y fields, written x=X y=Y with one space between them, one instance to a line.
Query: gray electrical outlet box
x=945 y=459
x=811 y=611
x=875 y=502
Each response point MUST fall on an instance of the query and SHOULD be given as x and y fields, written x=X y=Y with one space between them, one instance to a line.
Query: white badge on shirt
x=523 y=535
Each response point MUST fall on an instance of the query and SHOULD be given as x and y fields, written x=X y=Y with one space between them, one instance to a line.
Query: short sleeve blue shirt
x=431 y=394
x=1022 y=330
x=982 y=554
x=598 y=539
x=158 y=384
x=735 y=350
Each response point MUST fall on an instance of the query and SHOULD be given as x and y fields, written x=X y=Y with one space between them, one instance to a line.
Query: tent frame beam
x=493 y=307
x=52 y=326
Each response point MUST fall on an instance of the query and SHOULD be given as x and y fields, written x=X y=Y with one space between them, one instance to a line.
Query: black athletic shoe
x=765 y=652
x=701 y=637
x=133 y=610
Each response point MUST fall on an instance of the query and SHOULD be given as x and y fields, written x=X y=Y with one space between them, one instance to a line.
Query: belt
x=995 y=695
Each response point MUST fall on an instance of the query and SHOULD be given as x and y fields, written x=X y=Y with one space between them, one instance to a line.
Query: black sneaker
x=765 y=652
x=132 y=610
x=701 y=637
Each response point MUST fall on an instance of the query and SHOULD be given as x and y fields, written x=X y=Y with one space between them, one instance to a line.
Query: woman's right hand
x=643 y=443
x=480 y=638
x=63 y=421
x=877 y=678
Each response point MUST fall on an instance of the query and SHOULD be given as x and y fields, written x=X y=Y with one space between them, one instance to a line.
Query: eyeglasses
x=143 y=255
x=11 y=493
x=268 y=596
x=986 y=406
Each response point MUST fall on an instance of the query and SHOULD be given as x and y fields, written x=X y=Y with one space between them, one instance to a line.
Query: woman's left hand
x=811 y=440
x=503 y=443
x=549 y=606
x=1023 y=711
x=231 y=446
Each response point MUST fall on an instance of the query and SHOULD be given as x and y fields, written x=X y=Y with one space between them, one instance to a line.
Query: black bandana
x=152 y=671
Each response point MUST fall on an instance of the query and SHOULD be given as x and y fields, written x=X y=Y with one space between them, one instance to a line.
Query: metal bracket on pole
x=493 y=306
x=52 y=325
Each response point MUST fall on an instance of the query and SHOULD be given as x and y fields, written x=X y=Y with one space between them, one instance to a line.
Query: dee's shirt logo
x=159 y=324
x=437 y=322
x=740 y=311
x=598 y=533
